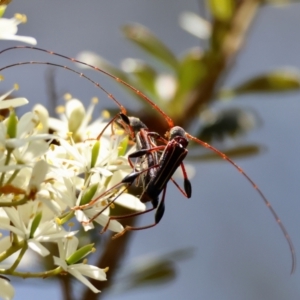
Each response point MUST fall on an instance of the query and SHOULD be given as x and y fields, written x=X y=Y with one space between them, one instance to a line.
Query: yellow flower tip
x=93 y=250
x=17 y=197
x=16 y=87
x=40 y=126
x=71 y=224
x=18 y=16
x=112 y=205
x=105 y=114
x=60 y=109
x=85 y=261
x=21 y=17
x=69 y=238
x=52 y=147
x=103 y=202
x=95 y=100
x=67 y=96
x=106 y=269
x=58 y=221
x=1 y=77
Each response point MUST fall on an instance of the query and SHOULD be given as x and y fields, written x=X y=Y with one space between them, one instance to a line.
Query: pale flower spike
x=42 y=186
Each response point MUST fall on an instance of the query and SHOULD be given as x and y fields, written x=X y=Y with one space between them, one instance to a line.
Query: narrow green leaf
x=95 y=153
x=191 y=71
x=155 y=274
x=222 y=9
x=101 y=63
x=276 y=81
x=147 y=41
x=35 y=223
x=2 y=10
x=65 y=218
x=156 y=270
x=123 y=146
x=12 y=124
x=79 y=254
x=89 y=194
x=143 y=74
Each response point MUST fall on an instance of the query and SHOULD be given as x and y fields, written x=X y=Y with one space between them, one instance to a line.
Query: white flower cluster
x=46 y=180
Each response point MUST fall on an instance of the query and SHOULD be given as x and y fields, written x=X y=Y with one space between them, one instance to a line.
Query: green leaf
x=222 y=9
x=156 y=273
x=143 y=73
x=147 y=41
x=2 y=10
x=89 y=194
x=95 y=153
x=276 y=81
x=65 y=217
x=101 y=63
x=123 y=146
x=35 y=223
x=191 y=71
x=233 y=153
x=12 y=124
x=153 y=270
x=79 y=254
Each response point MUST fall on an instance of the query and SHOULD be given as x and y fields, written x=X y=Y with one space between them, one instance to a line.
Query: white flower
x=126 y=200
x=47 y=185
x=68 y=193
x=8 y=29
x=16 y=102
x=75 y=119
x=66 y=249
x=7 y=291
x=22 y=220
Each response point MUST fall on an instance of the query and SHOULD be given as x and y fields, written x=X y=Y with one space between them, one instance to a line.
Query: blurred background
x=223 y=242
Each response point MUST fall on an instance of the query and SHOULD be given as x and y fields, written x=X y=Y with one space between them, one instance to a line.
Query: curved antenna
x=110 y=96
x=164 y=115
x=168 y=120
x=255 y=186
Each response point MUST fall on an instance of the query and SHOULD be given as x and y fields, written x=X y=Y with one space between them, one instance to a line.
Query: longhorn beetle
x=155 y=171
x=171 y=133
